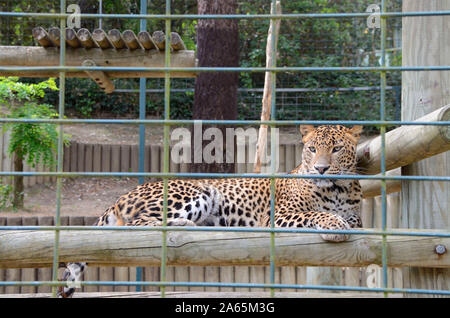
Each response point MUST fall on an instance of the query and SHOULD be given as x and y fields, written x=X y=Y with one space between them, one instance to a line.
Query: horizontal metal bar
x=223 y=229
x=175 y=122
x=220 y=175
x=257 y=90
x=24 y=69
x=226 y=16
x=235 y=285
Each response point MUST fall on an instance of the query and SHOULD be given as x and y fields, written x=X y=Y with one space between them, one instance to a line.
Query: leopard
x=318 y=203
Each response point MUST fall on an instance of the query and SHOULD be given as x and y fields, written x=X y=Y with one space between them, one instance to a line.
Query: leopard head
x=329 y=150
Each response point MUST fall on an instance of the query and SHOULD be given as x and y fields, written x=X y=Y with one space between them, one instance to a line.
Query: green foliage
x=5 y=195
x=33 y=142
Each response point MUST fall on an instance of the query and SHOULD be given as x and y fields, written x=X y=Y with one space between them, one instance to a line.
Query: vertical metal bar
x=272 y=151
x=62 y=89
x=166 y=148
x=100 y=11
x=383 y=144
x=142 y=102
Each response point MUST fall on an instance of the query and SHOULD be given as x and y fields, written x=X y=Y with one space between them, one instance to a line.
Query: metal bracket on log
x=99 y=77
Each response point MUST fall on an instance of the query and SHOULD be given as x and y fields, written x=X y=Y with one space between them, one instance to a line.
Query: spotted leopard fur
x=332 y=204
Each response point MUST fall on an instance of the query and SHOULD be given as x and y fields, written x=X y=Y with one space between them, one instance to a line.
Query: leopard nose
x=321 y=169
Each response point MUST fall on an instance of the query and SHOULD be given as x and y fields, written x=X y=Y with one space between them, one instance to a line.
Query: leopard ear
x=305 y=130
x=355 y=131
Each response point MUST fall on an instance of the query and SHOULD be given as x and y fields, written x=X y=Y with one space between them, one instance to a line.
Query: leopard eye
x=337 y=148
x=312 y=149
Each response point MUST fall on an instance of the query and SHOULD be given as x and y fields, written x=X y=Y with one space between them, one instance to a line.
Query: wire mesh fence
x=290 y=99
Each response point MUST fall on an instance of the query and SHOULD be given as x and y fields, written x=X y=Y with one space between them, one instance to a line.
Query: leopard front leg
x=285 y=217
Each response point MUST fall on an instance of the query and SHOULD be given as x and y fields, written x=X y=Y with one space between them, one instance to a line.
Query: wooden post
x=267 y=95
x=426 y=204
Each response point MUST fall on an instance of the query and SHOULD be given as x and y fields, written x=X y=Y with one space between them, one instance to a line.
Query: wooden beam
x=407 y=144
x=22 y=248
x=39 y=56
x=99 y=77
x=372 y=188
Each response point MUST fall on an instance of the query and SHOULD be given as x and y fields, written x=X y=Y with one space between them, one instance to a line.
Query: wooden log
x=99 y=77
x=39 y=56
x=131 y=40
x=271 y=58
x=372 y=188
x=159 y=38
x=32 y=248
x=146 y=40
x=116 y=39
x=101 y=39
x=72 y=39
x=41 y=36
x=85 y=38
x=55 y=36
x=407 y=144
x=176 y=42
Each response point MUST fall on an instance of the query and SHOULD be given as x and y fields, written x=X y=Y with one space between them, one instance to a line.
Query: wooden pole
x=425 y=42
x=85 y=38
x=32 y=249
x=72 y=39
x=39 y=56
x=146 y=40
x=101 y=38
x=372 y=188
x=41 y=36
x=131 y=40
x=267 y=94
x=116 y=39
x=159 y=39
x=176 y=42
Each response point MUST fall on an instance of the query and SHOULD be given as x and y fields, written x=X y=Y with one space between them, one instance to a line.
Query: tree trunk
x=18 y=187
x=216 y=92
